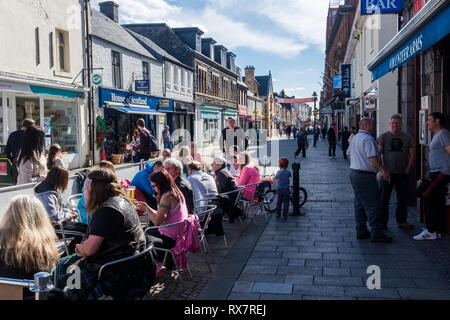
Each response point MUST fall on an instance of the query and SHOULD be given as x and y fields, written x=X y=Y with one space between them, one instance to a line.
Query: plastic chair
x=169 y=251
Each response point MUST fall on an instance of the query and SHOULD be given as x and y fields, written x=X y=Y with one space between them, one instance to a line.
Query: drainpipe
x=91 y=127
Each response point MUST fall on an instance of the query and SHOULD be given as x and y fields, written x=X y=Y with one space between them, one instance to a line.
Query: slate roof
x=154 y=49
x=264 y=82
x=106 y=29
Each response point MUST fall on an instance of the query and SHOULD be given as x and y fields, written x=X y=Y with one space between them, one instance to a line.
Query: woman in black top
x=113 y=233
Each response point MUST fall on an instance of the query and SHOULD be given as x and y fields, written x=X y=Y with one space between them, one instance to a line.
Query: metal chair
x=204 y=214
x=59 y=229
x=72 y=203
x=258 y=196
x=238 y=198
x=169 y=251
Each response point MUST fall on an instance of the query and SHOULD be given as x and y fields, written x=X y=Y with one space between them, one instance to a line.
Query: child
x=282 y=178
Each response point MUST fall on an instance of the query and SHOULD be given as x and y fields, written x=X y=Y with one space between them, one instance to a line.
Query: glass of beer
x=131 y=190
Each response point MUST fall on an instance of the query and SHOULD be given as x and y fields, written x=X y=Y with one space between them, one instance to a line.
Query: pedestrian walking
x=288 y=131
x=397 y=150
x=331 y=142
x=345 y=137
x=364 y=164
x=13 y=146
x=324 y=132
x=167 y=138
x=282 y=177
x=316 y=135
x=147 y=143
x=301 y=143
x=434 y=190
x=294 y=131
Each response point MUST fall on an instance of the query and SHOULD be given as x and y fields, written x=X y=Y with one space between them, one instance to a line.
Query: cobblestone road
x=313 y=256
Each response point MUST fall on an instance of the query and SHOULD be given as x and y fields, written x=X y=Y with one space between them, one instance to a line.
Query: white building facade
x=41 y=71
x=379 y=99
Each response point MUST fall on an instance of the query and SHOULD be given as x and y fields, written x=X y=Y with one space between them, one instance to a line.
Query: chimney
x=220 y=55
x=190 y=36
x=250 y=73
x=110 y=9
x=231 y=61
x=208 y=47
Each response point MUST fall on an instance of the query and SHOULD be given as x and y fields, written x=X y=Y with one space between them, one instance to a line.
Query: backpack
x=81 y=176
x=300 y=137
x=153 y=144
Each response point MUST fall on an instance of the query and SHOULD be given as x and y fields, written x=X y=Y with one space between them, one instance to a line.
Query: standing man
x=175 y=168
x=364 y=164
x=397 y=150
x=294 y=131
x=316 y=135
x=288 y=131
x=331 y=142
x=144 y=147
x=324 y=132
x=14 y=144
x=345 y=137
x=167 y=138
x=232 y=135
x=434 y=193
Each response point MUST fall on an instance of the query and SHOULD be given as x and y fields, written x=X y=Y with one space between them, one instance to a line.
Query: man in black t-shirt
x=233 y=135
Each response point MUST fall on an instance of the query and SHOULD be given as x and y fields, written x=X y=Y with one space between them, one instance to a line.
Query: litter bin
x=5 y=169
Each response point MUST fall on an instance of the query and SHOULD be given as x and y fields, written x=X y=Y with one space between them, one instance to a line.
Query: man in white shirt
x=364 y=164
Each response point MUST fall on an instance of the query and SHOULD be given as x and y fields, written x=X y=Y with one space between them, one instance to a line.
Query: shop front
x=121 y=111
x=243 y=114
x=183 y=122
x=57 y=110
x=211 y=118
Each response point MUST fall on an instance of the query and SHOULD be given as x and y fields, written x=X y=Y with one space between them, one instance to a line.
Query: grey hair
x=220 y=160
x=364 y=121
x=173 y=162
x=396 y=116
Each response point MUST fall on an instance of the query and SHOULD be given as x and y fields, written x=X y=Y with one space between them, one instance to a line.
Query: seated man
x=204 y=186
x=142 y=182
x=174 y=167
x=226 y=182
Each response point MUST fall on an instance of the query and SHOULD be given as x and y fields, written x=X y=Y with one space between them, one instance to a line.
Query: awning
x=133 y=109
x=210 y=113
x=427 y=27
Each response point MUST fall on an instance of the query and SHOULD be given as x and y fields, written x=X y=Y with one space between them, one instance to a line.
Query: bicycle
x=270 y=205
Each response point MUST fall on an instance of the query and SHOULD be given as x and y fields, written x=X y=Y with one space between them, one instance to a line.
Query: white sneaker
x=425 y=235
x=330 y=157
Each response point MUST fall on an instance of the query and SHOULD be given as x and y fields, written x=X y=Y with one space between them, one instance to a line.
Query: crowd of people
x=106 y=224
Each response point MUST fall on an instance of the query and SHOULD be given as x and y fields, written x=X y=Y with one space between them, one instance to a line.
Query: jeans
x=332 y=148
x=367 y=203
x=434 y=204
x=301 y=148
x=282 y=201
x=400 y=182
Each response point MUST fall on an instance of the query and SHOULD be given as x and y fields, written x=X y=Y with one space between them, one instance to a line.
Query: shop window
x=27 y=108
x=116 y=70
x=60 y=125
x=62 y=45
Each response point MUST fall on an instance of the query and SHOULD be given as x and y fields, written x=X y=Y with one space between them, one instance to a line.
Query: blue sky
x=286 y=37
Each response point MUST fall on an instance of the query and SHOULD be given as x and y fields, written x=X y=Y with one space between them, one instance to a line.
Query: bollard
x=296 y=186
x=42 y=285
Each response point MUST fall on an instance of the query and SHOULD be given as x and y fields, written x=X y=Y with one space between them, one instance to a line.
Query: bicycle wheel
x=303 y=196
x=270 y=200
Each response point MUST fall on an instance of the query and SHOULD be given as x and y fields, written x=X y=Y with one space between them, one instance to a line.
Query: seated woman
x=195 y=154
x=81 y=206
x=171 y=209
x=114 y=233
x=27 y=240
x=184 y=155
x=50 y=193
x=249 y=175
x=55 y=157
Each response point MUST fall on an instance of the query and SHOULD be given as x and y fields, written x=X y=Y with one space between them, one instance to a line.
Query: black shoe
x=382 y=238
x=365 y=235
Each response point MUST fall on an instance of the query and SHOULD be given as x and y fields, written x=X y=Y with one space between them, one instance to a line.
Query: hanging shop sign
x=142 y=85
x=337 y=82
x=381 y=6
x=346 y=80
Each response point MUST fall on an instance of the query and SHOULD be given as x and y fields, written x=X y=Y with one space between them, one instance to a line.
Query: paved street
x=316 y=255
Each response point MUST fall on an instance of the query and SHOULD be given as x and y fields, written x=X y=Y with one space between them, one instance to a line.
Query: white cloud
x=298 y=20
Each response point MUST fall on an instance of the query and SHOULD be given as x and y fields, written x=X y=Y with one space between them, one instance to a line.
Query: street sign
x=97 y=79
x=142 y=85
x=337 y=82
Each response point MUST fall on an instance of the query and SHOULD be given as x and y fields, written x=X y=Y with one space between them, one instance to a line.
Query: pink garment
x=187 y=240
x=180 y=213
x=198 y=157
x=249 y=175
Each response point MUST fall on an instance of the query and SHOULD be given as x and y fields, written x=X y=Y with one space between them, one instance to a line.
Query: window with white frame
x=62 y=50
x=176 y=79
x=168 y=71
x=189 y=85
x=183 y=80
